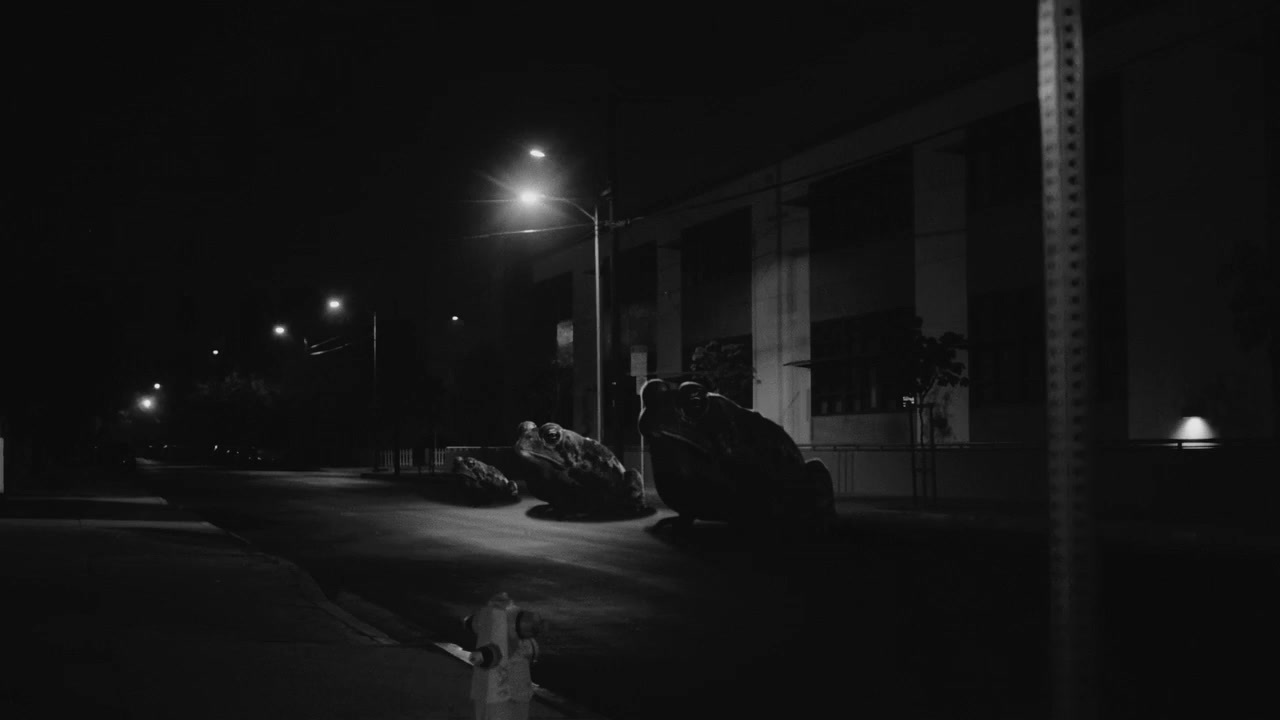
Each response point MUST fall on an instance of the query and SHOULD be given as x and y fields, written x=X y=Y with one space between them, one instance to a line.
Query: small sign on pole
x=639 y=360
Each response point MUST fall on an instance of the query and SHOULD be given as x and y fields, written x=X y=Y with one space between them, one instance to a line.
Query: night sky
x=177 y=172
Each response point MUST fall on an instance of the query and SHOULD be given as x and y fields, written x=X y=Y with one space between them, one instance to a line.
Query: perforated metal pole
x=1068 y=363
x=595 y=224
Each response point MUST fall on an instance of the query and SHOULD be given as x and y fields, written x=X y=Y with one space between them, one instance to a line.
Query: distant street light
x=156 y=386
x=335 y=304
x=453 y=318
x=279 y=330
x=215 y=352
x=146 y=403
x=537 y=153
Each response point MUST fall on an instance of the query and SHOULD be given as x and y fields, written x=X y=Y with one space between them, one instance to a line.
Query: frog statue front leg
x=635 y=484
x=824 y=498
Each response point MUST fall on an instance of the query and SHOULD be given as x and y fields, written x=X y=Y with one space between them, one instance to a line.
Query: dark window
x=1006 y=347
x=874 y=201
x=1004 y=161
x=1005 y=259
x=716 y=250
x=1104 y=188
x=715 y=269
x=552 y=307
x=858 y=362
x=638 y=275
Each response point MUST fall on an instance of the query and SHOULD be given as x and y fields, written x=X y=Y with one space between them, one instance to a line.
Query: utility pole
x=618 y=389
x=617 y=433
x=1068 y=358
x=374 y=414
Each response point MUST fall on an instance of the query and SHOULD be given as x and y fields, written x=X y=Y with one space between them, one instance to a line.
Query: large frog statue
x=715 y=460
x=577 y=475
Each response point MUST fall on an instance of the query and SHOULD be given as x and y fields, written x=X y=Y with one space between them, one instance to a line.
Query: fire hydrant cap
x=487 y=656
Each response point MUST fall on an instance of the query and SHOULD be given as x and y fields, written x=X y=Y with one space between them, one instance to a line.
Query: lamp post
x=594 y=214
x=335 y=305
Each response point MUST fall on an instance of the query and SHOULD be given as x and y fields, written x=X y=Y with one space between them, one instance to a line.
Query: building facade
x=819 y=261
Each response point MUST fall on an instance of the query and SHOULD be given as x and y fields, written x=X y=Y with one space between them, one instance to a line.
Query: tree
x=927 y=365
x=725 y=368
x=237 y=408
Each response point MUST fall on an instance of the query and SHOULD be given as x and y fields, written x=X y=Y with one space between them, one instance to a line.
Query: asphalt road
x=880 y=620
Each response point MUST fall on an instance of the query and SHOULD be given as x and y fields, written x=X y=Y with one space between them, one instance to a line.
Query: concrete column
x=780 y=309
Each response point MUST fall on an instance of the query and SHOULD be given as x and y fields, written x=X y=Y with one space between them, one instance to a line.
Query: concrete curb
x=1180 y=537
x=364 y=617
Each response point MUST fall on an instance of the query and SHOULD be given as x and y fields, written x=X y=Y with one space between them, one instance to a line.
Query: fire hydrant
x=501 y=686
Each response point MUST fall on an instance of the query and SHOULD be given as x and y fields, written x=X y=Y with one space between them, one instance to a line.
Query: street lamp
x=156 y=386
x=529 y=197
x=335 y=305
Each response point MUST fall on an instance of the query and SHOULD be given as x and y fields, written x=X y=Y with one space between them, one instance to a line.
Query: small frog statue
x=483 y=484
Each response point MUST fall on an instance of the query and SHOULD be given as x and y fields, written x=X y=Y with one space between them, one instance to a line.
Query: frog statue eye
x=693 y=399
x=550 y=433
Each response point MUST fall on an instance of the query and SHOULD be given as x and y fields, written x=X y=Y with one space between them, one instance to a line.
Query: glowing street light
x=215 y=352
x=530 y=197
x=147 y=403
x=535 y=152
x=156 y=386
x=279 y=330
x=335 y=305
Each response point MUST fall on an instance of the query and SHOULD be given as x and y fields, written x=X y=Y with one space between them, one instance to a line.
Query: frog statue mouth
x=664 y=415
x=534 y=456
x=697 y=444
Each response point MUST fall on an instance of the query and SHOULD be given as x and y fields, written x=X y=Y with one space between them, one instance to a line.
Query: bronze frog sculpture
x=715 y=460
x=576 y=474
x=483 y=484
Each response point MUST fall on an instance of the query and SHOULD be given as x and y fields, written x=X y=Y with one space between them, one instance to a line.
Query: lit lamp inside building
x=1193 y=426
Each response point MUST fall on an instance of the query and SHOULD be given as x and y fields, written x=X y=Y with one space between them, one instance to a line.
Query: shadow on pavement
x=546 y=511
x=451 y=489
x=83 y=508
x=714 y=537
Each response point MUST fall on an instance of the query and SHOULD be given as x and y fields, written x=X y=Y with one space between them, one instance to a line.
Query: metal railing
x=1131 y=473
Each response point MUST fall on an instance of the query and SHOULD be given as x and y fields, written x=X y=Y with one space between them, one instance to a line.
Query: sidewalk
x=1005 y=517
x=115 y=604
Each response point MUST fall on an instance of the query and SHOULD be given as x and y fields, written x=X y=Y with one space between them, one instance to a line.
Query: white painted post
x=640 y=369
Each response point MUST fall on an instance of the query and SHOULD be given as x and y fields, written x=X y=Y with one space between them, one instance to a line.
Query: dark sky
x=179 y=170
